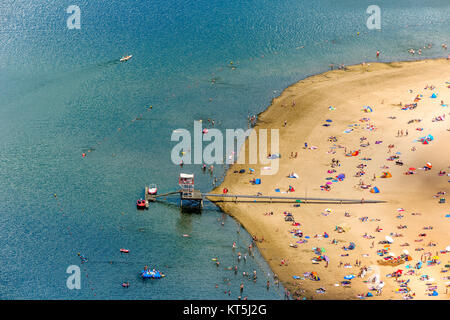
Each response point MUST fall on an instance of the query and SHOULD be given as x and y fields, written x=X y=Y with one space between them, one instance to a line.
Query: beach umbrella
x=349 y=277
x=412 y=169
x=380 y=285
x=375 y=190
x=386 y=174
x=405 y=251
x=448 y=248
x=389 y=239
x=428 y=165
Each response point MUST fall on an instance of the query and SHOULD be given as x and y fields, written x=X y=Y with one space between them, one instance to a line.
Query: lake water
x=64 y=92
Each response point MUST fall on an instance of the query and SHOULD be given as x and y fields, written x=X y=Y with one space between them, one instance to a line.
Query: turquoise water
x=63 y=92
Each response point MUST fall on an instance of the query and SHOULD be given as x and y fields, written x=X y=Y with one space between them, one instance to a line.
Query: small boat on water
x=126 y=58
x=124 y=250
x=152 y=274
x=152 y=189
x=142 y=204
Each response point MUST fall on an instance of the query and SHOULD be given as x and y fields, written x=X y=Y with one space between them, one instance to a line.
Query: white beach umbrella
x=389 y=239
x=405 y=251
x=380 y=285
x=448 y=248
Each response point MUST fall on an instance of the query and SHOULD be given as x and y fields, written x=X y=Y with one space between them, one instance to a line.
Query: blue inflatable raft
x=149 y=274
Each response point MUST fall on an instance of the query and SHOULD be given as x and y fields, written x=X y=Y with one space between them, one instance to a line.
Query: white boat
x=152 y=189
x=126 y=58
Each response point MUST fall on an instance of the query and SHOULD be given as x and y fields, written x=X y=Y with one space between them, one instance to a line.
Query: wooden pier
x=198 y=197
x=189 y=195
x=279 y=199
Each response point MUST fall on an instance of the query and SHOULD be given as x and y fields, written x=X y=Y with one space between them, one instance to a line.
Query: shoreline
x=312 y=98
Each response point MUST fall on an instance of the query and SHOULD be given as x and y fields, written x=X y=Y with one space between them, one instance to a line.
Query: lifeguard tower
x=188 y=192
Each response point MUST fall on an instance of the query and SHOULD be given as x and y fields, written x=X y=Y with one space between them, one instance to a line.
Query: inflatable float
x=152 y=274
x=126 y=58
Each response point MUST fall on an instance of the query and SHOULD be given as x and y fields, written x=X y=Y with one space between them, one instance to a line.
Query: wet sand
x=382 y=87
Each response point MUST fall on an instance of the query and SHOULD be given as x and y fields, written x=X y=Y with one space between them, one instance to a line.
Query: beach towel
x=275 y=156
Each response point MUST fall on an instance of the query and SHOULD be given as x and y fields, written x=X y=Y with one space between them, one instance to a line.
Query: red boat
x=142 y=204
x=124 y=250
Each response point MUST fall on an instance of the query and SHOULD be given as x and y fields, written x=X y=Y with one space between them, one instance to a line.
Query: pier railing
x=216 y=197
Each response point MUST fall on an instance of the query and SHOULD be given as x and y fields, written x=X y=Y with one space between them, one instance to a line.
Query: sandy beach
x=361 y=124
